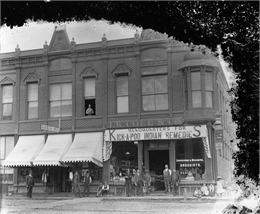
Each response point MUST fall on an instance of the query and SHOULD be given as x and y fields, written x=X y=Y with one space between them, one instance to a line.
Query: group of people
x=142 y=181
x=205 y=190
x=171 y=180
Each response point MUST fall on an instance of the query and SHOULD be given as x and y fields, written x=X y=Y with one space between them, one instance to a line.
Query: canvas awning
x=26 y=149
x=86 y=147
x=52 y=152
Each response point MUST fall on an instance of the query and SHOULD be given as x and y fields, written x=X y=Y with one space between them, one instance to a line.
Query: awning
x=52 y=152
x=86 y=147
x=26 y=149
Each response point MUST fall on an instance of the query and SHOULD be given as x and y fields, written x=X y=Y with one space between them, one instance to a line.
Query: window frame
x=196 y=90
x=27 y=106
x=60 y=100
x=7 y=103
x=122 y=75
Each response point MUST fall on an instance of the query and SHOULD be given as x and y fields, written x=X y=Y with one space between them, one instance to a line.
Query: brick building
x=103 y=107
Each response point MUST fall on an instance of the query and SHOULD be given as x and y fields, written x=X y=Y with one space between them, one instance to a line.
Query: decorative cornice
x=88 y=71
x=121 y=69
x=32 y=77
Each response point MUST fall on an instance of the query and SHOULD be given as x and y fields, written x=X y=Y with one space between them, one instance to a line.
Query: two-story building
x=103 y=107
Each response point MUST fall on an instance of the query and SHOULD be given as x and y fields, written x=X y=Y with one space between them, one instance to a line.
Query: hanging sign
x=156 y=133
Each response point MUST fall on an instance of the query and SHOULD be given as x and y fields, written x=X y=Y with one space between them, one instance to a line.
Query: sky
x=33 y=35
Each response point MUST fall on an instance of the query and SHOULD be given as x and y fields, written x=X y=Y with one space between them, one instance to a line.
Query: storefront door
x=157 y=161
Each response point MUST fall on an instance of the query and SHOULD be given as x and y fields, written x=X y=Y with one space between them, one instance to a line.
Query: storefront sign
x=158 y=133
x=219 y=135
x=145 y=123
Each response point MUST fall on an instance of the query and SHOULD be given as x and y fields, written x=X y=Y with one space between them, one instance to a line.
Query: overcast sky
x=34 y=34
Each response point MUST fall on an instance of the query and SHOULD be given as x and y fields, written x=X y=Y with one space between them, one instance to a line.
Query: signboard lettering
x=50 y=128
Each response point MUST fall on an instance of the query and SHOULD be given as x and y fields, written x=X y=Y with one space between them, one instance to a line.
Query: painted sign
x=160 y=133
x=156 y=133
x=146 y=123
x=219 y=135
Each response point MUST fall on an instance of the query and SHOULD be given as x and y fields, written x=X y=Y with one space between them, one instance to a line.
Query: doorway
x=157 y=160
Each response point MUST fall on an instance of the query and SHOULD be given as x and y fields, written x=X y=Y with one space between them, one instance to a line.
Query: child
x=204 y=190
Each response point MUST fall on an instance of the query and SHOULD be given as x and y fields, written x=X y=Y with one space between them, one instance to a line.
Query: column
x=140 y=155
x=146 y=155
x=172 y=155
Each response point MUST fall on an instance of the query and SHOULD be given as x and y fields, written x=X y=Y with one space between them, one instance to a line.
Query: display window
x=94 y=170
x=190 y=159
x=124 y=155
x=37 y=174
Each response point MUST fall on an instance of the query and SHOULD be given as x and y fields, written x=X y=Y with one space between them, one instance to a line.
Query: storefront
x=54 y=162
x=184 y=148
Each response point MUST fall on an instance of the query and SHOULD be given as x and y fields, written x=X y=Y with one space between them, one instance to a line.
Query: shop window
x=190 y=158
x=122 y=98
x=7 y=102
x=154 y=54
x=32 y=104
x=196 y=89
x=155 y=93
x=37 y=174
x=90 y=96
x=209 y=89
x=94 y=170
x=60 y=64
x=61 y=100
x=124 y=155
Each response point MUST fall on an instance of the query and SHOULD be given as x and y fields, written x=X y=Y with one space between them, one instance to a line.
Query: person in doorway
x=29 y=184
x=76 y=181
x=167 y=177
x=147 y=181
x=89 y=110
x=128 y=183
x=175 y=180
x=87 y=182
x=139 y=182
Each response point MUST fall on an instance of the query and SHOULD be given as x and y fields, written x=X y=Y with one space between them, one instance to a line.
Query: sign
x=50 y=128
x=156 y=133
x=219 y=135
x=146 y=123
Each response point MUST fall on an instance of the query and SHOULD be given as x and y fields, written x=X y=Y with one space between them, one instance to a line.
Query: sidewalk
x=153 y=196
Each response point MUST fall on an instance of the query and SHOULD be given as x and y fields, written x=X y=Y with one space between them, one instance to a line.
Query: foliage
x=233 y=25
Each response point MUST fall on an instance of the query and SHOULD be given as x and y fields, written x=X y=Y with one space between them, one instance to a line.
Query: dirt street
x=40 y=205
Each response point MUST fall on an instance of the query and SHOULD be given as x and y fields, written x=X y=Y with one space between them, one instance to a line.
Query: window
x=6 y=146
x=61 y=100
x=60 y=64
x=154 y=88
x=7 y=102
x=209 y=89
x=122 y=98
x=196 y=89
x=32 y=101
x=90 y=96
x=37 y=174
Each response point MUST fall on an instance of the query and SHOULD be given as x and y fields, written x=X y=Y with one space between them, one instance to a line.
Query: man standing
x=76 y=181
x=87 y=182
x=139 y=182
x=128 y=183
x=175 y=182
x=29 y=184
x=167 y=177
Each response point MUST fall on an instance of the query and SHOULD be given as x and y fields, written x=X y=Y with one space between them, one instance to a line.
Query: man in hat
x=87 y=182
x=29 y=184
x=128 y=183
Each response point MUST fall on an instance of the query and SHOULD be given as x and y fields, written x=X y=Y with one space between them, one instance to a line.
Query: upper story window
x=209 y=89
x=7 y=102
x=154 y=54
x=154 y=80
x=90 y=95
x=60 y=64
x=122 y=98
x=61 y=100
x=196 y=89
x=32 y=104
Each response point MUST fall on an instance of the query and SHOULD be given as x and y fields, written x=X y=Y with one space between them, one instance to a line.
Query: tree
x=233 y=25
